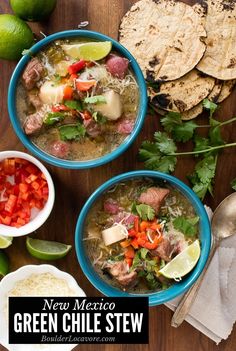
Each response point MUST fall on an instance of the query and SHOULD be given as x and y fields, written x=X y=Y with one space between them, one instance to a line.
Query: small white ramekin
x=43 y=214
x=7 y=285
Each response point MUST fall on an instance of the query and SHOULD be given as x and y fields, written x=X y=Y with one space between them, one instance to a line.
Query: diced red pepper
x=73 y=77
x=59 y=108
x=76 y=67
x=11 y=203
x=129 y=252
x=27 y=189
x=23 y=187
x=86 y=115
x=136 y=224
x=68 y=93
x=85 y=85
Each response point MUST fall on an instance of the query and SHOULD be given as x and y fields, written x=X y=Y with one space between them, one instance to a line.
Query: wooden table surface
x=74 y=187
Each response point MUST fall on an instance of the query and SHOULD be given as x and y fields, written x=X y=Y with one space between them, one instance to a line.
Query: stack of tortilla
x=187 y=53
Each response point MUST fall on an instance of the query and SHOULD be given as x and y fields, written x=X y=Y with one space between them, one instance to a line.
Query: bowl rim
x=21 y=273
x=143 y=101
x=176 y=289
x=43 y=214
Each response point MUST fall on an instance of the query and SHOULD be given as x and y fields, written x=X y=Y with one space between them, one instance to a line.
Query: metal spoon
x=223 y=225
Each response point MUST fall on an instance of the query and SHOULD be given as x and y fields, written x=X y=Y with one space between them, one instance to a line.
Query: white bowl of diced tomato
x=26 y=193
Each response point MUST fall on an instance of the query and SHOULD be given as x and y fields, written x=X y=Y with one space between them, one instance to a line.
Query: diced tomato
x=85 y=85
x=68 y=93
x=35 y=185
x=76 y=67
x=31 y=178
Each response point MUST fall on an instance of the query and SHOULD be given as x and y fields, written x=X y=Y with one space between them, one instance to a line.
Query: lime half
x=183 y=263
x=4 y=264
x=5 y=241
x=90 y=51
x=46 y=250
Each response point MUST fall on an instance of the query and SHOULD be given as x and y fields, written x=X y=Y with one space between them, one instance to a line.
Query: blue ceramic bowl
x=176 y=289
x=77 y=164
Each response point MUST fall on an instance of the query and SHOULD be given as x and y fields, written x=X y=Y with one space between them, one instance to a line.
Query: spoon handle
x=189 y=298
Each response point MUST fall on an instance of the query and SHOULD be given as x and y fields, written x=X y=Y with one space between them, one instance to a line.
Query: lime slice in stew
x=183 y=263
x=90 y=51
x=4 y=264
x=46 y=250
x=5 y=241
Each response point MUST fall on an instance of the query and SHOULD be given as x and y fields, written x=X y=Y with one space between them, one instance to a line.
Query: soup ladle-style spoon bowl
x=223 y=225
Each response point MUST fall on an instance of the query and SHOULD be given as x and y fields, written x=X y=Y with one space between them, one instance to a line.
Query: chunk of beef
x=164 y=250
x=125 y=126
x=111 y=206
x=120 y=271
x=117 y=66
x=32 y=73
x=34 y=100
x=154 y=197
x=59 y=149
x=93 y=129
x=34 y=122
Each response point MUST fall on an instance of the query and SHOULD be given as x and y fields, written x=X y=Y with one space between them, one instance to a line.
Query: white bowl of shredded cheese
x=35 y=280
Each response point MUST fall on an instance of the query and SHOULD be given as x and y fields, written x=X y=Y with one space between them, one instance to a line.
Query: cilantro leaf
x=201 y=143
x=205 y=169
x=166 y=164
x=97 y=99
x=72 y=132
x=203 y=176
x=145 y=212
x=53 y=117
x=154 y=160
x=233 y=184
x=73 y=104
x=165 y=144
x=201 y=189
x=99 y=118
x=209 y=105
x=170 y=121
x=186 y=225
x=184 y=131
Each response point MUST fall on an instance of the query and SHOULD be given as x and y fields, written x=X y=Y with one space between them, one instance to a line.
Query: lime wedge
x=183 y=263
x=4 y=264
x=5 y=241
x=90 y=51
x=46 y=250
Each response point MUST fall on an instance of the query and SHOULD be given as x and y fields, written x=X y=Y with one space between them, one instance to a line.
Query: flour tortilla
x=219 y=60
x=226 y=90
x=184 y=93
x=166 y=38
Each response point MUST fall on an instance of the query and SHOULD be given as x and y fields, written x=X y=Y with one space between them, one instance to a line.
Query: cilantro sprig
x=162 y=154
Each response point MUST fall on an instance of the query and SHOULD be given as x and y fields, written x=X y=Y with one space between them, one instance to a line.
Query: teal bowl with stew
x=175 y=288
x=64 y=161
